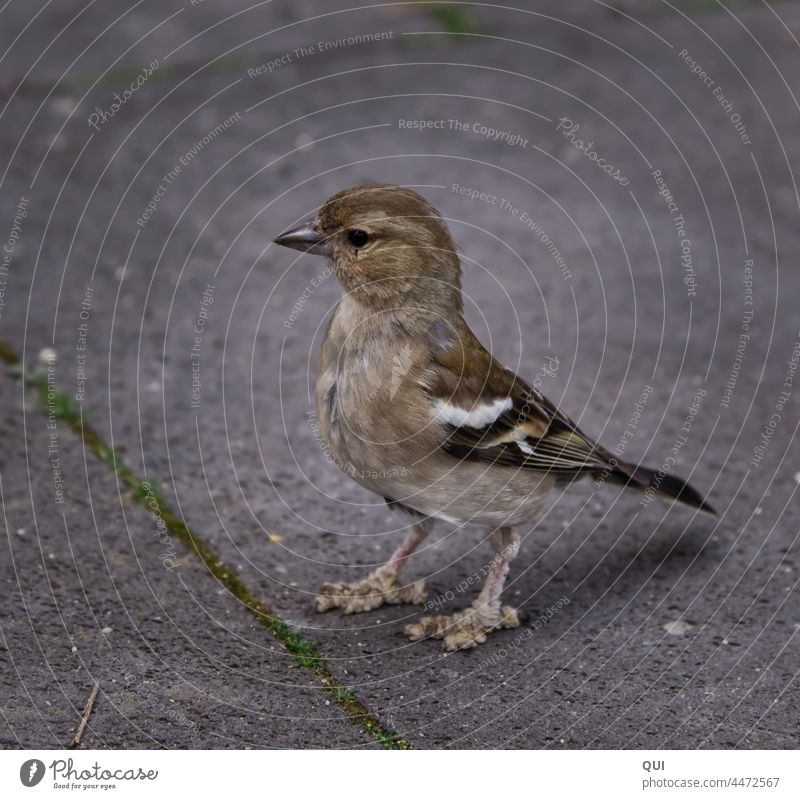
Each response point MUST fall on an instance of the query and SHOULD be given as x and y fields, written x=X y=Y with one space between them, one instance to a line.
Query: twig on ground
x=87 y=711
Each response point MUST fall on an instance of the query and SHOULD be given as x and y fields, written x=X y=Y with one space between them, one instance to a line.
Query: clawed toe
x=373 y=591
x=465 y=629
x=346 y=597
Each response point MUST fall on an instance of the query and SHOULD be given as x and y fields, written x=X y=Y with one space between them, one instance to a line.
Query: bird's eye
x=358 y=238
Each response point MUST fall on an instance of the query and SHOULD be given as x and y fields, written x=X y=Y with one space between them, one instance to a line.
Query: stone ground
x=663 y=628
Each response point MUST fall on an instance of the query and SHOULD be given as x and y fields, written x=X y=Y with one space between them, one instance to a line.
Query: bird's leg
x=380 y=586
x=469 y=627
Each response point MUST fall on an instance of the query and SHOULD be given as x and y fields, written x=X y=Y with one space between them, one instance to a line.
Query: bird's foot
x=376 y=589
x=466 y=628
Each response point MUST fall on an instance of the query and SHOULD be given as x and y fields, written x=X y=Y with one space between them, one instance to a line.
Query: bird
x=413 y=407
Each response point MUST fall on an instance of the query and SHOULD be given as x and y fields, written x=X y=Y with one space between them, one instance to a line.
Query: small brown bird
x=414 y=408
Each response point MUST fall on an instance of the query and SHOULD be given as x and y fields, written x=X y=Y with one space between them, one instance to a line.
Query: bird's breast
x=373 y=411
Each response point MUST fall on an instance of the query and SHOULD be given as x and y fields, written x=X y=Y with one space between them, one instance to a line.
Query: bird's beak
x=306 y=237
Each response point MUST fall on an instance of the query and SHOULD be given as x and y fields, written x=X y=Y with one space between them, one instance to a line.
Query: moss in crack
x=391 y=740
x=453 y=19
x=342 y=694
x=306 y=652
x=151 y=497
x=56 y=402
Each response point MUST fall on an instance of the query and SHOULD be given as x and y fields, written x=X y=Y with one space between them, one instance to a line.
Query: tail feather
x=665 y=484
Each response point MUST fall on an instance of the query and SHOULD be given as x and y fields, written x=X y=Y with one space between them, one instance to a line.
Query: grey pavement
x=189 y=342
x=95 y=591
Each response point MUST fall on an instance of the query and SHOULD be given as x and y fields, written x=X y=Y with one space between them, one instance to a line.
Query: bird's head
x=388 y=246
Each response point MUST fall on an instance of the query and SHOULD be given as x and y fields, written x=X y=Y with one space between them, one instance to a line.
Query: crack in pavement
x=305 y=652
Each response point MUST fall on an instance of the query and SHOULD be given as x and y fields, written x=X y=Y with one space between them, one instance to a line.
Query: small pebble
x=304 y=142
x=63 y=105
x=676 y=627
x=47 y=355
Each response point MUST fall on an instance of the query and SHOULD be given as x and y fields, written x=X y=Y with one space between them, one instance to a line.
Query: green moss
x=391 y=740
x=342 y=694
x=10 y=358
x=453 y=19
x=57 y=403
x=306 y=652
x=151 y=497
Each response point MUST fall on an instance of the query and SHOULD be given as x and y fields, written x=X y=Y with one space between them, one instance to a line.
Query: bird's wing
x=490 y=414
x=487 y=413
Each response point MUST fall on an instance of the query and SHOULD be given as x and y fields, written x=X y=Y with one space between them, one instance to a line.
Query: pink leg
x=416 y=535
x=380 y=586
x=505 y=543
x=469 y=627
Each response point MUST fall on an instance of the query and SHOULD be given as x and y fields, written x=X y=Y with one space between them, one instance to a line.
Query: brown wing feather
x=532 y=434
